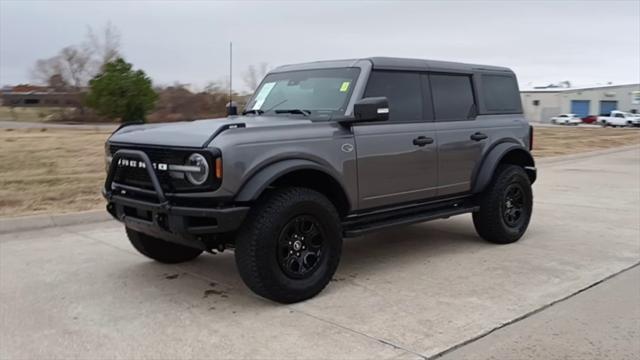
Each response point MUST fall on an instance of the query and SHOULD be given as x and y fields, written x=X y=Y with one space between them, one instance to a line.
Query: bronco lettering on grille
x=140 y=164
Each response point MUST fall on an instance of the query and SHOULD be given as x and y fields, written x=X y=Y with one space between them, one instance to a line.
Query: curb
x=35 y=222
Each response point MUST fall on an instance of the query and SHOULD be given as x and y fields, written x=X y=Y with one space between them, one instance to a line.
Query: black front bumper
x=191 y=226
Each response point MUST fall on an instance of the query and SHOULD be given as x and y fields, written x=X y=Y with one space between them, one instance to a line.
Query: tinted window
x=403 y=91
x=500 y=94
x=452 y=97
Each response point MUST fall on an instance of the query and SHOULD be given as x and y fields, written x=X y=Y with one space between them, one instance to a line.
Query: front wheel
x=289 y=246
x=505 y=206
x=160 y=250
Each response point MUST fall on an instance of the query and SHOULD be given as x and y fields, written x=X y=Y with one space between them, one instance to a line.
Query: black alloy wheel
x=300 y=247
x=513 y=205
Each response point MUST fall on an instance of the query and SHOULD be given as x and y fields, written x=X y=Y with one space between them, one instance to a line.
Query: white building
x=540 y=105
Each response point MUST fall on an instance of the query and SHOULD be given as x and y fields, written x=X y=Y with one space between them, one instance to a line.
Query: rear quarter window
x=500 y=94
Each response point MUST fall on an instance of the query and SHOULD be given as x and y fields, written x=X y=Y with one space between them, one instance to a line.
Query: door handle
x=422 y=141
x=478 y=136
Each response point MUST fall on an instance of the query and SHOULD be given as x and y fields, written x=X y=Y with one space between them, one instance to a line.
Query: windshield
x=319 y=93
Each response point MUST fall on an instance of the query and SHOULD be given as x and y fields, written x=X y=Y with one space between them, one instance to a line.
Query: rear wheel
x=289 y=246
x=160 y=250
x=505 y=206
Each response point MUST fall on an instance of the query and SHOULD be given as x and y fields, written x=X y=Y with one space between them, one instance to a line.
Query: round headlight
x=200 y=176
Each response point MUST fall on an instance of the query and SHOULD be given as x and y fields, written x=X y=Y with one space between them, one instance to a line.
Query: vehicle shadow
x=363 y=257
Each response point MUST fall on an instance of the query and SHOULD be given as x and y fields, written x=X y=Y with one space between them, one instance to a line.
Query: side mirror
x=371 y=109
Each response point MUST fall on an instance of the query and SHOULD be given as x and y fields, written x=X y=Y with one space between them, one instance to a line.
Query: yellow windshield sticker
x=345 y=86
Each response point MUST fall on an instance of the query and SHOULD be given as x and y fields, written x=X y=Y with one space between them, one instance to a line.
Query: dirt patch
x=62 y=170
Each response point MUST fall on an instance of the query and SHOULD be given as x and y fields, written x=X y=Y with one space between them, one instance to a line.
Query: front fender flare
x=258 y=182
x=488 y=166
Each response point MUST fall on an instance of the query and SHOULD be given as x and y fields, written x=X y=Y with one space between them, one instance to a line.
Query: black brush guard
x=190 y=226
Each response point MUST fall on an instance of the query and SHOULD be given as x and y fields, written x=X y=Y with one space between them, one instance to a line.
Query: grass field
x=56 y=171
x=31 y=114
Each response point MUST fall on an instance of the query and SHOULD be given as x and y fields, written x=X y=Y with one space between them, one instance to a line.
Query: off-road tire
x=160 y=250
x=490 y=221
x=257 y=244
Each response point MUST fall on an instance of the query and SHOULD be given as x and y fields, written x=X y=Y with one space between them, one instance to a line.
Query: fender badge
x=347 y=147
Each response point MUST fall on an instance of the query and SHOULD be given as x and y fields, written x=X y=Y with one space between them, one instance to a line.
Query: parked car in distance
x=566 y=119
x=590 y=119
x=619 y=118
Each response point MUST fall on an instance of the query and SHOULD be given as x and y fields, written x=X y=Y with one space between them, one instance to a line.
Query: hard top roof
x=391 y=63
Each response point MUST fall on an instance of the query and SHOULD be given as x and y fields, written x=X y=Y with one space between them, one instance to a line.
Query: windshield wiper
x=293 y=111
x=253 y=111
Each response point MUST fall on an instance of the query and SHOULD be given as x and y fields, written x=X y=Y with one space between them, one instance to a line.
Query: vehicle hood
x=198 y=133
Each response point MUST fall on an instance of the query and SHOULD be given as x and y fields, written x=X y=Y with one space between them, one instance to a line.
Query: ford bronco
x=325 y=151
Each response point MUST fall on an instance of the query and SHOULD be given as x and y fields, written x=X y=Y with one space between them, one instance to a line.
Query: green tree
x=119 y=92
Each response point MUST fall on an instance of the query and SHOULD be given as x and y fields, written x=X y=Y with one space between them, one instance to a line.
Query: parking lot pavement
x=600 y=323
x=82 y=291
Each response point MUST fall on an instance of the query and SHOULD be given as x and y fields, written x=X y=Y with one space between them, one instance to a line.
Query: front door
x=397 y=159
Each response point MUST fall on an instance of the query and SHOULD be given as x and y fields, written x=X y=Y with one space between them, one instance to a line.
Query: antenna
x=231 y=109
x=230 y=71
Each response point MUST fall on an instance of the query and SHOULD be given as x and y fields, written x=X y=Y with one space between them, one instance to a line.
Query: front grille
x=170 y=181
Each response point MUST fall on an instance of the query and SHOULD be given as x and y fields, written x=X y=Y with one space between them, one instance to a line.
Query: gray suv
x=326 y=151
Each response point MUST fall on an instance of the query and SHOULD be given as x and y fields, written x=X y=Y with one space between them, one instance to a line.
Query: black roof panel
x=392 y=63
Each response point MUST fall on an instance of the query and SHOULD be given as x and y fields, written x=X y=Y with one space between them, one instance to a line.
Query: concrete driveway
x=415 y=292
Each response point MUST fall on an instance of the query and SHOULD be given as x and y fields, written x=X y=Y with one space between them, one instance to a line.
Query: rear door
x=397 y=159
x=461 y=143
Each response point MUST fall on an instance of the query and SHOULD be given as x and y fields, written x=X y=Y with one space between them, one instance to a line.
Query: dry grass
x=50 y=170
x=553 y=141
x=34 y=114
x=56 y=170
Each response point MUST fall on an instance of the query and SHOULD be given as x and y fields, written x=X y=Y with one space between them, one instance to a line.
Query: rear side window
x=500 y=94
x=452 y=97
x=403 y=91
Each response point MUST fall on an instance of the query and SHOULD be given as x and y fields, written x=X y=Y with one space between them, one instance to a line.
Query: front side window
x=402 y=89
x=321 y=93
x=452 y=97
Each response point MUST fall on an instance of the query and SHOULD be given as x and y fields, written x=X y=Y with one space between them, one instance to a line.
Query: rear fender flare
x=488 y=166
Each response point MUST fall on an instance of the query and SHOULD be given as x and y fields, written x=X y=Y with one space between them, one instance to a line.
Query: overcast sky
x=586 y=42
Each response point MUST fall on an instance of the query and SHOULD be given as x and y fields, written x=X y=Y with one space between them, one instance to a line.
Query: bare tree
x=105 y=45
x=77 y=64
x=46 y=69
x=254 y=75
